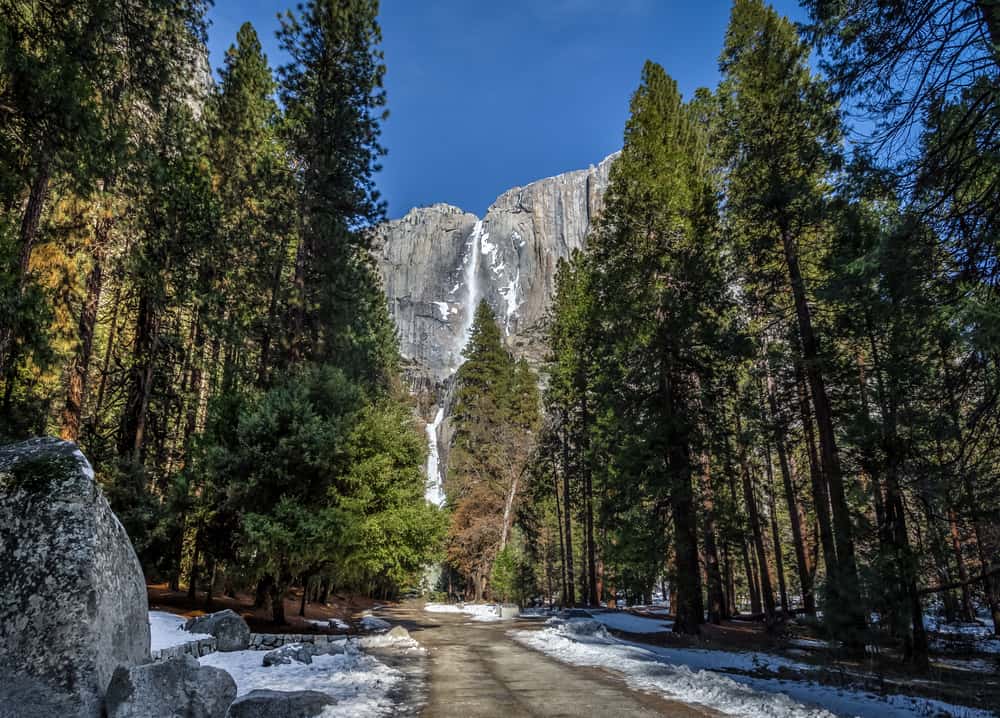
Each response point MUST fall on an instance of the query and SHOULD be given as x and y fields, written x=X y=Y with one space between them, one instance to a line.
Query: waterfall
x=434 y=489
x=472 y=280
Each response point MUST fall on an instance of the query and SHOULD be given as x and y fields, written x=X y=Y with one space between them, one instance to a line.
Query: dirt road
x=475 y=670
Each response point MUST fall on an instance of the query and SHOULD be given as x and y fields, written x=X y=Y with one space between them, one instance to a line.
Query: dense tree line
x=774 y=371
x=188 y=292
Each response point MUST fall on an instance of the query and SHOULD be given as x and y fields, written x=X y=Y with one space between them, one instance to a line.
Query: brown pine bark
x=791 y=502
x=779 y=561
x=77 y=372
x=756 y=534
x=844 y=581
x=568 y=527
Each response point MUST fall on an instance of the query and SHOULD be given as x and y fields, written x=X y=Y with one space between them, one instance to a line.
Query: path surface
x=476 y=670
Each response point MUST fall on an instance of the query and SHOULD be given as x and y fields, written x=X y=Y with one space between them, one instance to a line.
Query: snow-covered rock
x=374 y=624
x=175 y=688
x=228 y=627
x=288 y=653
x=280 y=704
x=72 y=594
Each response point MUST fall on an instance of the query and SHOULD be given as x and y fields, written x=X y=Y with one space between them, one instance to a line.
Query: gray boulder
x=399 y=632
x=72 y=595
x=174 y=688
x=280 y=704
x=288 y=653
x=229 y=629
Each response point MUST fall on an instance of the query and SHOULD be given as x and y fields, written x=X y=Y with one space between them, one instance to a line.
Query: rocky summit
x=438 y=262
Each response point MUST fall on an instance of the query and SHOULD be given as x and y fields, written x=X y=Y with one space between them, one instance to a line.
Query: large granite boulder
x=230 y=630
x=280 y=704
x=174 y=688
x=72 y=594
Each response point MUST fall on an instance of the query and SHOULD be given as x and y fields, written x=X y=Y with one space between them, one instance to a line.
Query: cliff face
x=438 y=262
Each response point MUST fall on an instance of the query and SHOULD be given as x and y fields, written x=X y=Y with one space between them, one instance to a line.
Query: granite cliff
x=437 y=263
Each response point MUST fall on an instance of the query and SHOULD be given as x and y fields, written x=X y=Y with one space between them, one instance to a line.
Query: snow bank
x=167 y=630
x=690 y=675
x=360 y=683
x=477 y=611
x=632 y=623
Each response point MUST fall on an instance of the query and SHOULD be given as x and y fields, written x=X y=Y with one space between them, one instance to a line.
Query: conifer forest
x=764 y=391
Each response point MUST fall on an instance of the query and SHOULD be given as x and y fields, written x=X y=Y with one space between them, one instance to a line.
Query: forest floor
x=346 y=609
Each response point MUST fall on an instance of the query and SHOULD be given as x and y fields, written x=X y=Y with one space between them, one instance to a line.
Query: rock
x=372 y=623
x=288 y=653
x=175 y=688
x=280 y=704
x=399 y=632
x=229 y=629
x=72 y=594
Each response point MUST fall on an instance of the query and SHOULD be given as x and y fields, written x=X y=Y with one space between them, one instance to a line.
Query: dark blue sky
x=487 y=95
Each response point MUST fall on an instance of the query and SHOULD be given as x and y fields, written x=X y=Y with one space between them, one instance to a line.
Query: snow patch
x=167 y=630
x=690 y=675
x=476 y=611
x=442 y=308
x=360 y=683
x=631 y=623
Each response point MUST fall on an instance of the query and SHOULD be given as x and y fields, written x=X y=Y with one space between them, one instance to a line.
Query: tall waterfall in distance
x=471 y=262
x=434 y=489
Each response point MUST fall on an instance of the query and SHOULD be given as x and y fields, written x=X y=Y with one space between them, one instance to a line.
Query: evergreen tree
x=494 y=421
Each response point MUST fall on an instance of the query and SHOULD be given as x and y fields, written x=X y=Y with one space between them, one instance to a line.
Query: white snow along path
x=676 y=673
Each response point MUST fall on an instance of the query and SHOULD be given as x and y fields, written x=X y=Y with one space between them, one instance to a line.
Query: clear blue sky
x=487 y=95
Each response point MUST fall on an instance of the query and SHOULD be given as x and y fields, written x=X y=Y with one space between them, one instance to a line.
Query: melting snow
x=167 y=629
x=632 y=624
x=360 y=683
x=691 y=675
x=477 y=611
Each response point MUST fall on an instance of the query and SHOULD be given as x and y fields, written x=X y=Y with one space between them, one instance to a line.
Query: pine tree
x=494 y=421
x=781 y=128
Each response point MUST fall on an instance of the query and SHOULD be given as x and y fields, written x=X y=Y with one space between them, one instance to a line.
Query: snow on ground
x=359 y=682
x=690 y=675
x=328 y=623
x=631 y=623
x=476 y=611
x=167 y=629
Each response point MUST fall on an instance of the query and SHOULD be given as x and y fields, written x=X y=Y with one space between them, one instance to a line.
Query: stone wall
x=199 y=648
x=267 y=641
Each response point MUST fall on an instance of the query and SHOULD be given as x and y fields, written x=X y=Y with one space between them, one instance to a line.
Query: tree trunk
x=967 y=611
x=570 y=588
x=30 y=221
x=821 y=496
x=277 y=592
x=845 y=580
x=756 y=534
x=690 y=612
x=562 y=540
x=794 y=517
x=779 y=562
x=588 y=495
x=76 y=383
x=717 y=608
x=133 y=428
